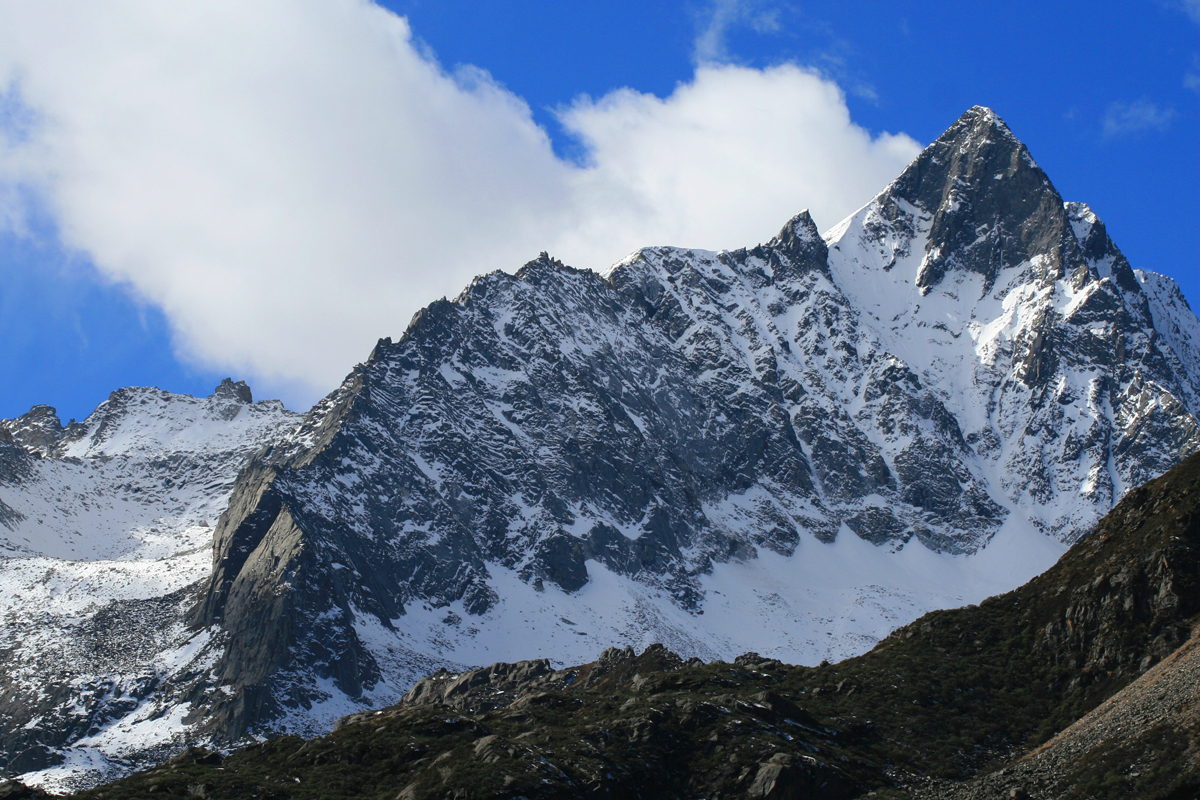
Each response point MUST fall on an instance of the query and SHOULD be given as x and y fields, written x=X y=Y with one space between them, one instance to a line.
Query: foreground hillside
x=954 y=696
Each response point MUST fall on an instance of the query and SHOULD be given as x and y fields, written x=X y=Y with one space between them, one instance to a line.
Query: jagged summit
x=800 y=227
x=39 y=430
x=800 y=241
x=990 y=205
x=977 y=122
x=1097 y=248
x=236 y=391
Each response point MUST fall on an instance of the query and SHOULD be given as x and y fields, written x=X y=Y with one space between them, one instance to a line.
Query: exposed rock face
x=965 y=351
x=990 y=208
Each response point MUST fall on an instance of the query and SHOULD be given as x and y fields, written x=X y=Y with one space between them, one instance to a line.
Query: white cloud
x=723 y=160
x=1122 y=118
x=715 y=20
x=1191 y=78
x=291 y=179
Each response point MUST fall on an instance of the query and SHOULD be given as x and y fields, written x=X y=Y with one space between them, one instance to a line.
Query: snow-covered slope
x=144 y=477
x=108 y=530
x=1175 y=322
x=790 y=449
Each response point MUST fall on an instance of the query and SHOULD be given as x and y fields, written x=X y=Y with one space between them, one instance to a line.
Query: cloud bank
x=289 y=180
x=716 y=19
x=1122 y=118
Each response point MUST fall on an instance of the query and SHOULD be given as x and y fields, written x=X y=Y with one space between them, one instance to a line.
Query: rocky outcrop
x=40 y=430
x=502 y=685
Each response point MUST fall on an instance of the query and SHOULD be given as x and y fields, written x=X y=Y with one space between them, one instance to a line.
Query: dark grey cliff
x=993 y=207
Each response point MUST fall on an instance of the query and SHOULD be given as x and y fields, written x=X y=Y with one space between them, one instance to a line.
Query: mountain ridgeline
x=792 y=449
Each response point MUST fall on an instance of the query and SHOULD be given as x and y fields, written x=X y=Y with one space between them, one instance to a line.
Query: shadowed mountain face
x=990 y=207
x=953 y=706
x=792 y=449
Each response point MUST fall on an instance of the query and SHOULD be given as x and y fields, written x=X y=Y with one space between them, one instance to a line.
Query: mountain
x=965 y=353
x=791 y=449
x=960 y=704
x=105 y=526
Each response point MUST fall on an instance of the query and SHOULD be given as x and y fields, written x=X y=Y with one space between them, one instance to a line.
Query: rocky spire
x=801 y=242
x=234 y=391
x=992 y=206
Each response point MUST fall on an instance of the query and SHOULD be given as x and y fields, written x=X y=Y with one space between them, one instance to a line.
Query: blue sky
x=257 y=268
